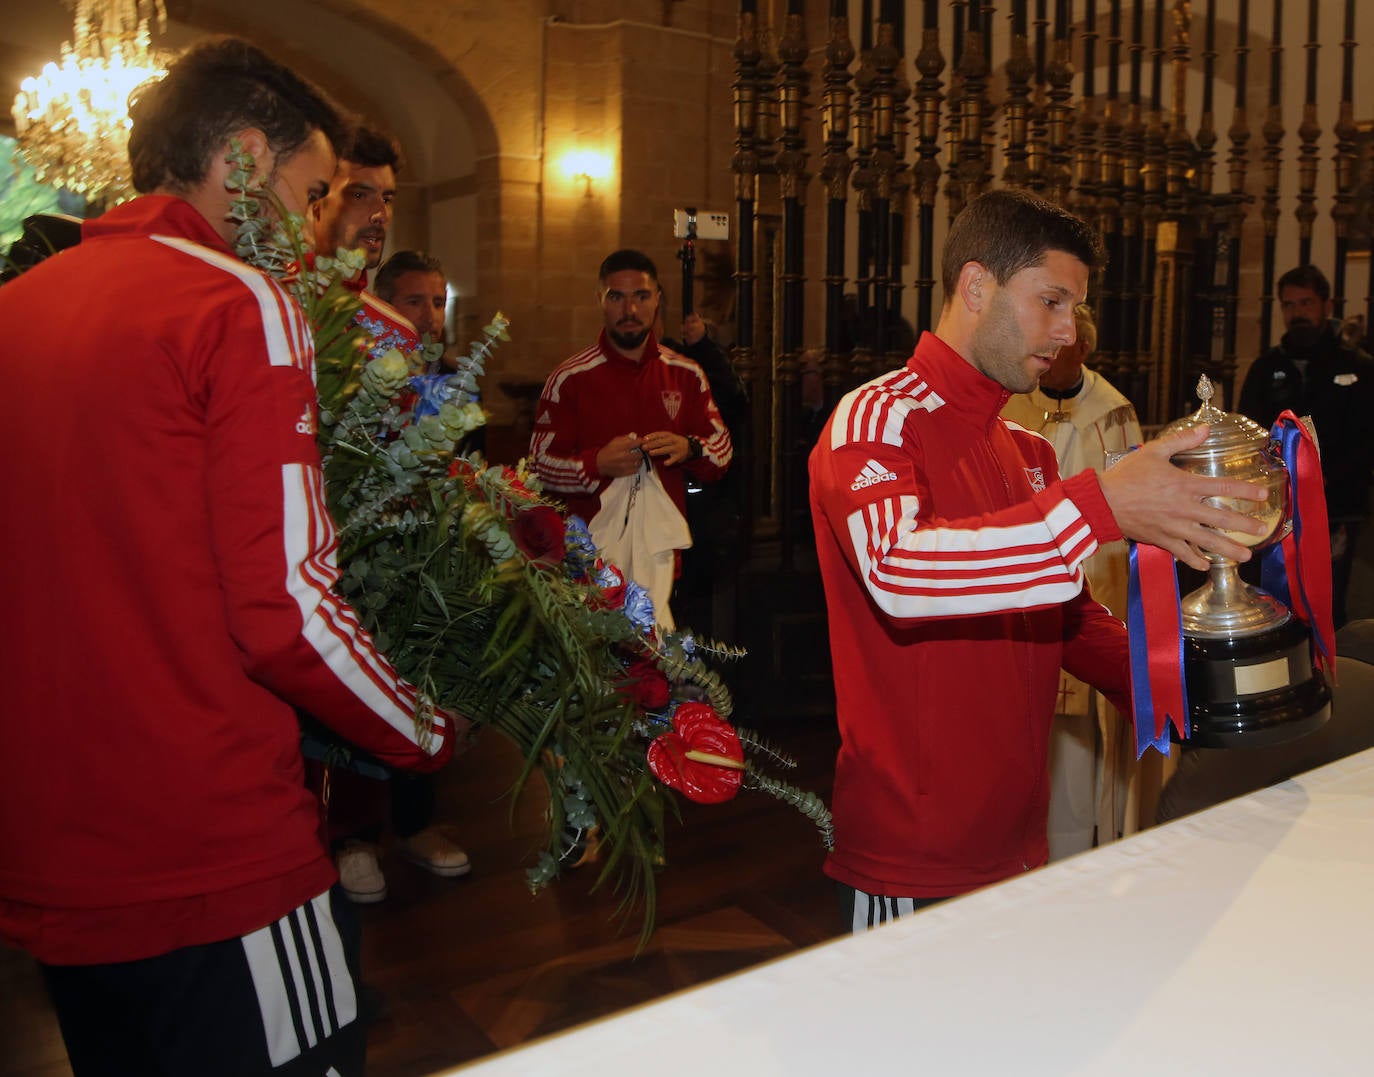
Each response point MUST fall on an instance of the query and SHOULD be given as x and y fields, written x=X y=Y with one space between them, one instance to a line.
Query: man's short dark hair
x=218 y=87
x=621 y=260
x=1009 y=230
x=1309 y=277
x=402 y=262
x=371 y=148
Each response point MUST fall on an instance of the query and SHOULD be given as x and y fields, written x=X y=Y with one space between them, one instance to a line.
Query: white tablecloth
x=1236 y=941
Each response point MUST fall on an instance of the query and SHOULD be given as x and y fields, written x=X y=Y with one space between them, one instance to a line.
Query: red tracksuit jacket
x=598 y=395
x=952 y=558
x=166 y=576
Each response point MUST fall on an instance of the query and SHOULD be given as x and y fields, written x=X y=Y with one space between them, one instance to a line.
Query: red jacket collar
x=970 y=392
x=156 y=214
x=609 y=351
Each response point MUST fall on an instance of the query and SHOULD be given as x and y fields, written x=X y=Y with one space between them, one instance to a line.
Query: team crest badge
x=672 y=402
x=1036 y=477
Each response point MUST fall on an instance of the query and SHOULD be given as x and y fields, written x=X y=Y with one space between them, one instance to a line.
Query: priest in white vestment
x=1098 y=792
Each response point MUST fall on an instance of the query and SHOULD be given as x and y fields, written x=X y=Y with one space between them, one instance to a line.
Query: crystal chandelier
x=72 y=119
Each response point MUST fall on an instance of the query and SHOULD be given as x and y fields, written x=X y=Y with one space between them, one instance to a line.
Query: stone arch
x=374 y=64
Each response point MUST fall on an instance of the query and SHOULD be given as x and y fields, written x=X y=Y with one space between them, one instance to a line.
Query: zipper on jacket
x=1025 y=657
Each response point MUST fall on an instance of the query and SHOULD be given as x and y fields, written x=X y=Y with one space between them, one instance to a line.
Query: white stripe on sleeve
x=326 y=623
x=283 y=341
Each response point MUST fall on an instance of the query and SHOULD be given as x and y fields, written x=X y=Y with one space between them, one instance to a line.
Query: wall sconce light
x=586 y=165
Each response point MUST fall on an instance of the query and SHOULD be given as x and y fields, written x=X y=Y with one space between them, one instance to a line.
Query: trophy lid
x=1229 y=434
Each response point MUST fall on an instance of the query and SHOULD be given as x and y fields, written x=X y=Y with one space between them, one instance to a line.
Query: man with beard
x=627 y=403
x=952 y=557
x=355 y=213
x=354 y=216
x=161 y=851
x=1314 y=371
x=415 y=286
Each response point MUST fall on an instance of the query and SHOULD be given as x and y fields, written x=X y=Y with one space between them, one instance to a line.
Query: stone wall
x=645 y=83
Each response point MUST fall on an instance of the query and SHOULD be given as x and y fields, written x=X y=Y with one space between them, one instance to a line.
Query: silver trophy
x=1247 y=664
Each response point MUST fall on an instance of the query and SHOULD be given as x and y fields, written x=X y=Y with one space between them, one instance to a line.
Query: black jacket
x=1337 y=390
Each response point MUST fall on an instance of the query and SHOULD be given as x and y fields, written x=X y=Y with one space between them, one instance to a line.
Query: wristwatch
x=694 y=449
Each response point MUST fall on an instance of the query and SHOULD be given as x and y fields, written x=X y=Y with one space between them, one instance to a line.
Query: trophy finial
x=1205 y=389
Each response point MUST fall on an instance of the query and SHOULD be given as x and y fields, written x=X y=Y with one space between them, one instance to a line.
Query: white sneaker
x=433 y=851
x=359 y=873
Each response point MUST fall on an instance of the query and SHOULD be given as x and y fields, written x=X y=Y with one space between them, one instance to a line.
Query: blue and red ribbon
x=1155 y=626
x=1297 y=571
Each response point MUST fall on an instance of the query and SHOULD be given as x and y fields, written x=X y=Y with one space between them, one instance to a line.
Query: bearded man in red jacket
x=626 y=400
x=170 y=560
x=624 y=408
x=952 y=557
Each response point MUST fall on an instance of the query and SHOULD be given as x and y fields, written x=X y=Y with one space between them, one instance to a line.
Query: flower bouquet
x=496 y=606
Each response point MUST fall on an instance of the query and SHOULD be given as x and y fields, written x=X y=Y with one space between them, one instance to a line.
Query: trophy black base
x=1254 y=691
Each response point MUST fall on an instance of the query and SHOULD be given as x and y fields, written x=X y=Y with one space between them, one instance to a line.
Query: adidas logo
x=872 y=474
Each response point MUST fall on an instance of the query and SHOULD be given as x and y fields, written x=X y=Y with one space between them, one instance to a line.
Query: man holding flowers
x=170 y=560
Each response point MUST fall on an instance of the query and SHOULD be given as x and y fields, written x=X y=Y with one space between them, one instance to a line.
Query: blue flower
x=434 y=391
x=639 y=607
x=608 y=576
x=580 y=538
x=581 y=553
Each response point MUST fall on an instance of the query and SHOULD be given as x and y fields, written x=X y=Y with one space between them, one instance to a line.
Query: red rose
x=538 y=532
x=701 y=758
x=612 y=593
x=645 y=684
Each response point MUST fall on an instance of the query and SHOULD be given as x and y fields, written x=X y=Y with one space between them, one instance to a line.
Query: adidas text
x=866 y=480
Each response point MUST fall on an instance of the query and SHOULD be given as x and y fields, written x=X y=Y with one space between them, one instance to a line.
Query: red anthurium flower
x=701 y=758
x=538 y=532
x=645 y=683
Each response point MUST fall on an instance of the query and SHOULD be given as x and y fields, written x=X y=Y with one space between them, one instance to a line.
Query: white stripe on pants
x=305 y=992
x=871 y=910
